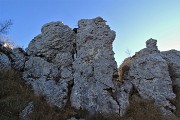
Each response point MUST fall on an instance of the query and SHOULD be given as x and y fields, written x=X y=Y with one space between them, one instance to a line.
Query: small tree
x=4 y=29
x=5 y=26
x=128 y=52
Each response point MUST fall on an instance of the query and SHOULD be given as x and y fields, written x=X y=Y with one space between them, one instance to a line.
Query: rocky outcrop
x=149 y=74
x=15 y=57
x=172 y=58
x=94 y=67
x=49 y=68
x=78 y=67
x=56 y=38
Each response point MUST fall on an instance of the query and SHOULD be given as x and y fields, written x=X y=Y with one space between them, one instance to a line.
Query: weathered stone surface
x=150 y=48
x=37 y=67
x=55 y=37
x=94 y=67
x=18 y=58
x=123 y=95
x=24 y=115
x=149 y=74
x=49 y=68
x=172 y=58
x=55 y=93
x=5 y=63
x=60 y=57
x=42 y=76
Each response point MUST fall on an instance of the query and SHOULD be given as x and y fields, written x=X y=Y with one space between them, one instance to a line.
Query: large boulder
x=49 y=68
x=150 y=76
x=94 y=67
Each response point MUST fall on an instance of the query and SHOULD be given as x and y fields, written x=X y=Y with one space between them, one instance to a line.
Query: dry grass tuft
x=15 y=95
x=124 y=68
x=143 y=110
x=176 y=101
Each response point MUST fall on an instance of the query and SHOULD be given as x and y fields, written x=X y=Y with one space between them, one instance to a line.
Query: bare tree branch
x=128 y=52
x=5 y=26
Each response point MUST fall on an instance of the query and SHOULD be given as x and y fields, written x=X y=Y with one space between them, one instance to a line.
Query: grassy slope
x=15 y=95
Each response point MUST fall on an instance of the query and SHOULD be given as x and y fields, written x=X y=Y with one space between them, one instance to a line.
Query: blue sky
x=134 y=21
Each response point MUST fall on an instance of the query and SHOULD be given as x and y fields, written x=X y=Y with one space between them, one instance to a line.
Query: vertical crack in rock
x=94 y=67
x=122 y=95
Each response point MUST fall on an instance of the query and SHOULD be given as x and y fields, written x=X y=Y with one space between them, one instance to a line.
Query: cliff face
x=78 y=67
x=94 y=67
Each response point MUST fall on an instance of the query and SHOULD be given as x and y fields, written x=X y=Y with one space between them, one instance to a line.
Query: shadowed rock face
x=94 y=67
x=18 y=58
x=5 y=63
x=172 y=57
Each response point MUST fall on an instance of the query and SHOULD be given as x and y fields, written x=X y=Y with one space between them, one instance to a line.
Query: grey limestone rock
x=5 y=63
x=55 y=37
x=37 y=67
x=56 y=94
x=24 y=115
x=149 y=75
x=94 y=67
x=49 y=68
x=60 y=57
x=172 y=58
x=123 y=95
x=151 y=48
x=18 y=58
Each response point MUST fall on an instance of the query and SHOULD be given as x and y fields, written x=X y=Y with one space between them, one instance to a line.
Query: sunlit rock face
x=94 y=67
x=49 y=68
